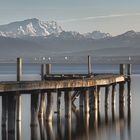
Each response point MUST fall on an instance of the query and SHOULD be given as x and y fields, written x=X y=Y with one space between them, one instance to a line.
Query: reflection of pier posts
x=34 y=109
x=67 y=99
x=34 y=133
x=4 y=110
x=49 y=109
x=59 y=127
x=87 y=126
x=11 y=116
x=113 y=102
x=18 y=130
x=67 y=129
x=121 y=100
x=129 y=108
x=49 y=131
x=81 y=102
x=106 y=103
x=59 y=102
x=42 y=129
x=86 y=100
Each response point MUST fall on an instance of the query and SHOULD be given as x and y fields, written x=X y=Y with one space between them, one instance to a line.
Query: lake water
x=98 y=126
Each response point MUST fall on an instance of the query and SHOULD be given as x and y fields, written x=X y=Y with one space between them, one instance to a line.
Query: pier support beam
x=19 y=78
x=122 y=69
x=11 y=113
x=106 y=97
x=86 y=100
x=68 y=107
x=34 y=109
x=129 y=70
x=121 y=100
x=89 y=65
x=59 y=102
x=45 y=69
x=113 y=101
x=81 y=101
x=4 y=110
x=49 y=109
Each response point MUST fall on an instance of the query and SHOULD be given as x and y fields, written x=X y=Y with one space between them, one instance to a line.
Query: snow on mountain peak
x=30 y=27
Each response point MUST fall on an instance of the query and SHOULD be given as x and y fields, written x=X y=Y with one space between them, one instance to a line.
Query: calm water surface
x=100 y=125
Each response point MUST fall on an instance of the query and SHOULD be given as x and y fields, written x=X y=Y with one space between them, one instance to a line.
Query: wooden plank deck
x=99 y=80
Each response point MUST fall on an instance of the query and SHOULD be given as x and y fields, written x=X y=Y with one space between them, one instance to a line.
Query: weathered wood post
x=34 y=109
x=122 y=69
x=11 y=113
x=129 y=70
x=42 y=95
x=68 y=108
x=129 y=107
x=121 y=99
x=106 y=103
x=89 y=65
x=19 y=78
x=49 y=109
x=86 y=100
x=113 y=101
x=98 y=97
x=4 y=110
x=59 y=102
x=106 y=96
x=81 y=101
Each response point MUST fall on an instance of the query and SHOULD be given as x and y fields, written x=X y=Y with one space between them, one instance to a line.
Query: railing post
x=19 y=78
x=122 y=69
x=89 y=65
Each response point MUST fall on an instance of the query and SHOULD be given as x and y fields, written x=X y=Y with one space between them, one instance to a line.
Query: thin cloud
x=99 y=17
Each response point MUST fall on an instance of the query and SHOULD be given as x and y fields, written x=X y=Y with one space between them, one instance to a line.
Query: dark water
x=100 y=125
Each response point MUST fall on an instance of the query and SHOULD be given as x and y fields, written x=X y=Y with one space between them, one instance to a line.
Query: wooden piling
x=48 y=68
x=121 y=100
x=81 y=101
x=113 y=102
x=49 y=110
x=45 y=69
x=4 y=110
x=42 y=95
x=68 y=108
x=122 y=69
x=86 y=100
x=59 y=103
x=106 y=96
x=129 y=71
x=34 y=109
x=19 y=78
x=11 y=113
x=89 y=65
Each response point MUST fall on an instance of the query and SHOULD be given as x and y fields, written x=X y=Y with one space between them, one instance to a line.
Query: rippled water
x=98 y=125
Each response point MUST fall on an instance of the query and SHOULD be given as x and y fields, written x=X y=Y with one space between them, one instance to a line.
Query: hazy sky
x=113 y=16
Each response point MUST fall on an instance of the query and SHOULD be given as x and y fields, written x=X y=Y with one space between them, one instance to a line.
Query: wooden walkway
x=61 y=83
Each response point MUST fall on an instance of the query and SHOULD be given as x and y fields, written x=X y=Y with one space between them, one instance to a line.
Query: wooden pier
x=82 y=87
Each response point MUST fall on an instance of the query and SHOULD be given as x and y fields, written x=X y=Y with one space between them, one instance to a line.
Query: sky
x=112 y=16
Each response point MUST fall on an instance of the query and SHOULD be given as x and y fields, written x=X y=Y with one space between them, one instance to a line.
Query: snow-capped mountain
x=97 y=35
x=30 y=27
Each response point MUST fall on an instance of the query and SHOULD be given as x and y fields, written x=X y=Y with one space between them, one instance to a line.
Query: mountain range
x=35 y=27
x=33 y=38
